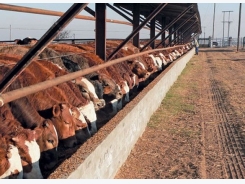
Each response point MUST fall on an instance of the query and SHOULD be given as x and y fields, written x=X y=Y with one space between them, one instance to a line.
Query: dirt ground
x=199 y=129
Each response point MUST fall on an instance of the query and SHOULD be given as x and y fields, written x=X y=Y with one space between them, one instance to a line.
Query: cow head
x=94 y=79
x=10 y=162
x=82 y=131
x=110 y=88
x=123 y=85
x=164 y=59
x=88 y=91
x=25 y=141
x=88 y=111
x=139 y=69
x=150 y=60
x=64 y=124
x=48 y=143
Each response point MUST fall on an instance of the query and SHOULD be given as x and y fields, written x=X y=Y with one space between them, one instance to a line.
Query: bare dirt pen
x=199 y=129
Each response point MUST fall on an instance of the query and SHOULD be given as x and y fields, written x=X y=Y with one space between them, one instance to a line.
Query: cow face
x=10 y=162
x=110 y=88
x=97 y=85
x=48 y=143
x=164 y=59
x=111 y=108
x=125 y=90
x=29 y=152
x=82 y=131
x=88 y=91
x=64 y=124
x=90 y=115
x=138 y=68
x=150 y=61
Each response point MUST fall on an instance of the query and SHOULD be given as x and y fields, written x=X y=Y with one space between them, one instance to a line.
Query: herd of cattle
x=33 y=128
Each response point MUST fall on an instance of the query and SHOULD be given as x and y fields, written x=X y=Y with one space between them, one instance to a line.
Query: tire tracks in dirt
x=218 y=128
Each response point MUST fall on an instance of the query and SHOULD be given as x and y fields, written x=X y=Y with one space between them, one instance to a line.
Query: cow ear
x=15 y=139
x=64 y=106
x=56 y=110
x=37 y=132
x=45 y=123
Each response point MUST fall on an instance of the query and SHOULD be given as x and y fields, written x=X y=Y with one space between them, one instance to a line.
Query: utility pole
x=229 y=22
x=229 y=27
x=213 y=22
x=224 y=25
x=223 y=28
x=204 y=35
x=239 y=23
x=10 y=32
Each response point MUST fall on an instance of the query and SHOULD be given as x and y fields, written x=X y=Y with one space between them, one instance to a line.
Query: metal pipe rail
x=55 y=13
x=19 y=93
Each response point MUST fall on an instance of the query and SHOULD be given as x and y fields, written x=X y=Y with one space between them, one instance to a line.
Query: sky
x=20 y=25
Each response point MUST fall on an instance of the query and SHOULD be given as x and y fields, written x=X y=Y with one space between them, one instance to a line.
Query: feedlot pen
x=104 y=153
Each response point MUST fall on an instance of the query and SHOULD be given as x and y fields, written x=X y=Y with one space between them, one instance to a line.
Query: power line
x=204 y=33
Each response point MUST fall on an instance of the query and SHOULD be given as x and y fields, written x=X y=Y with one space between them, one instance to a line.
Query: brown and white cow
x=68 y=93
x=48 y=141
x=88 y=91
x=25 y=141
x=79 y=59
x=10 y=161
x=41 y=71
x=40 y=100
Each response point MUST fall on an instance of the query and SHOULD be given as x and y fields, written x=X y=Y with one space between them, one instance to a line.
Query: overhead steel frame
x=136 y=18
x=53 y=32
x=187 y=34
x=180 y=26
x=100 y=33
x=167 y=27
x=164 y=32
x=55 y=13
x=41 y=45
x=100 y=43
x=119 y=10
x=153 y=26
x=57 y=27
x=152 y=32
x=137 y=29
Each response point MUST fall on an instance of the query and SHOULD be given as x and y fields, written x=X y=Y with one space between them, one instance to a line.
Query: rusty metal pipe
x=19 y=93
x=54 y=13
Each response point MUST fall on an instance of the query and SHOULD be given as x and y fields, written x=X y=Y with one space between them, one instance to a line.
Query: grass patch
x=178 y=100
